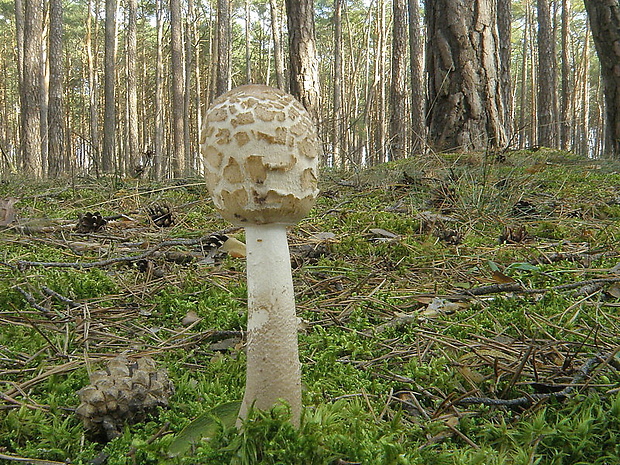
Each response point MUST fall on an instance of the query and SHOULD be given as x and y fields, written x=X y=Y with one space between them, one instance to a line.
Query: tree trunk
x=178 y=100
x=398 y=96
x=57 y=156
x=418 y=87
x=93 y=83
x=567 y=76
x=248 y=45
x=191 y=44
x=337 y=133
x=547 y=79
x=109 y=121
x=525 y=49
x=159 y=94
x=277 y=44
x=604 y=16
x=464 y=68
x=32 y=162
x=302 y=50
x=132 y=85
x=504 y=26
x=222 y=80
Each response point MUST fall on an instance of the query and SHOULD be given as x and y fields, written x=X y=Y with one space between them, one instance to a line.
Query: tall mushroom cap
x=261 y=152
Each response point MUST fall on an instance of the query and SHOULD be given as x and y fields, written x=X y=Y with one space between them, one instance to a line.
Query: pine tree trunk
x=32 y=162
x=57 y=156
x=604 y=16
x=222 y=79
x=504 y=26
x=337 y=134
x=248 y=45
x=418 y=87
x=302 y=50
x=398 y=97
x=93 y=82
x=277 y=44
x=467 y=111
x=547 y=78
x=565 y=126
x=109 y=78
x=178 y=100
x=132 y=85
x=159 y=94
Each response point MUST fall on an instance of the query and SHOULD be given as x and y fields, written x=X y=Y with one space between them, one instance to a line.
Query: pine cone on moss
x=90 y=222
x=161 y=215
x=126 y=392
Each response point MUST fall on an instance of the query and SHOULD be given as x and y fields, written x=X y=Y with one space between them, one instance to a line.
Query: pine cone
x=126 y=392
x=90 y=222
x=161 y=215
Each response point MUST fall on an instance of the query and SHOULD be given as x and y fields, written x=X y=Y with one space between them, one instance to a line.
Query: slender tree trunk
x=523 y=93
x=32 y=162
x=565 y=126
x=504 y=26
x=379 y=123
x=57 y=154
x=132 y=84
x=248 y=45
x=398 y=95
x=467 y=109
x=337 y=133
x=191 y=39
x=547 y=78
x=222 y=80
x=159 y=94
x=178 y=101
x=44 y=87
x=416 y=70
x=93 y=83
x=302 y=49
x=277 y=44
x=604 y=16
x=109 y=78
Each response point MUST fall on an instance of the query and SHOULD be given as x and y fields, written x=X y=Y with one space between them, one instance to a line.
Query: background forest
x=95 y=86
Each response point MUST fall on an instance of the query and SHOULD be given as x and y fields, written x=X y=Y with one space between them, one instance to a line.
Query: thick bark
x=467 y=110
x=547 y=78
x=178 y=100
x=31 y=89
x=109 y=78
x=604 y=16
x=57 y=155
x=398 y=95
x=418 y=88
x=302 y=49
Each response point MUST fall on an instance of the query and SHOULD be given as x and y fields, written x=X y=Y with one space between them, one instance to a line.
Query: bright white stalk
x=273 y=366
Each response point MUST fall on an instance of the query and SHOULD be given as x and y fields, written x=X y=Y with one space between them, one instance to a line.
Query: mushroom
x=261 y=152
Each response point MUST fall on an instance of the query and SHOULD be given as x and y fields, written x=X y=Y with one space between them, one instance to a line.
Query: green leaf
x=523 y=266
x=204 y=426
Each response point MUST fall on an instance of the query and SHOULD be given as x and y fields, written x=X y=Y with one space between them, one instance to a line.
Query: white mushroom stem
x=273 y=367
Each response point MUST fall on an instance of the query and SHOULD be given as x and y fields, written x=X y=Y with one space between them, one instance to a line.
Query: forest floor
x=460 y=309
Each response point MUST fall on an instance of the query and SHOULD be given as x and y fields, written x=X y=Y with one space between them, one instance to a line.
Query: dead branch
x=518 y=287
x=527 y=401
x=22 y=264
